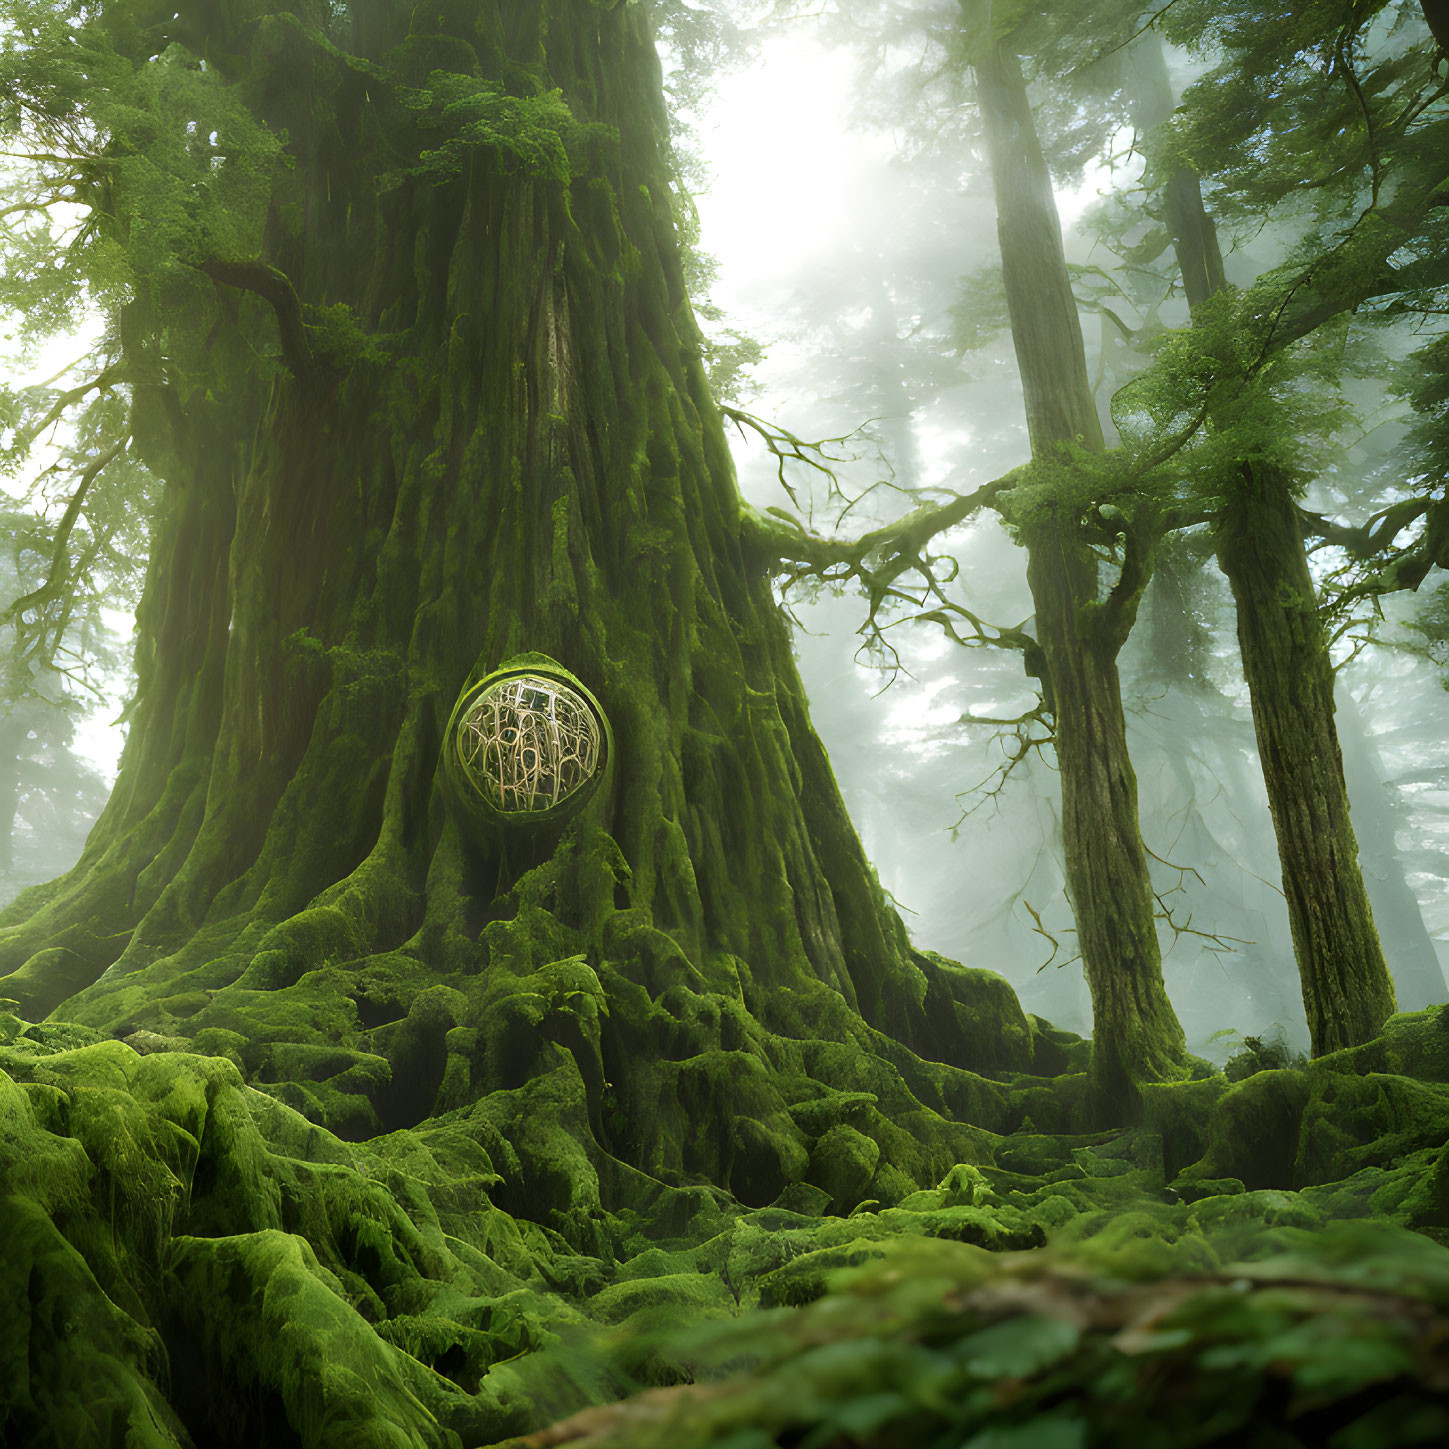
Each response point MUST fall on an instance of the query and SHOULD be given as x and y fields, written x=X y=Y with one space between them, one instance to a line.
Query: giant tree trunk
x=1347 y=991
x=1136 y=1035
x=488 y=435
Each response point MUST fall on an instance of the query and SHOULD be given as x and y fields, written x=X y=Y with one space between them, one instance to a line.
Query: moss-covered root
x=75 y=1368
x=187 y=1261
x=256 y=1317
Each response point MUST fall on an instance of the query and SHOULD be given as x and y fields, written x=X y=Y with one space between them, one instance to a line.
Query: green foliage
x=936 y=1344
x=1302 y=106
x=1268 y=1053
x=169 y=166
x=1218 y=395
x=534 y=134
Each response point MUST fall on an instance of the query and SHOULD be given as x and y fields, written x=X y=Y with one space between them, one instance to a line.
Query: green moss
x=842 y=1164
x=1254 y=1131
x=692 y=1297
x=428 y=1257
x=1351 y=1122
x=73 y=1364
x=304 y=942
x=304 y=1346
x=1056 y=1052
x=1182 y=1114
x=1237 y=1208
x=988 y=1031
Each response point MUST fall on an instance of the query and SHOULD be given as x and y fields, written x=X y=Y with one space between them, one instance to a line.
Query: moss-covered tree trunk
x=1136 y=1034
x=1347 y=990
x=448 y=411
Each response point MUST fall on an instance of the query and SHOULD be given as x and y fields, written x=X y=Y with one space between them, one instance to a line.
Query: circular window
x=526 y=743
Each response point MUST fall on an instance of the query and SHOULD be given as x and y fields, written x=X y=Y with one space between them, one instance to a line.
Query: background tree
x=49 y=795
x=1253 y=369
x=1080 y=632
x=1077 y=633
x=1347 y=989
x=69 y=560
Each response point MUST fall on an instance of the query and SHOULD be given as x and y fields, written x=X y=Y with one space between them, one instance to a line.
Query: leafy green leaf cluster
x=1302 y=104
x=1215 y=400
x=535 y=134
x=134 y=174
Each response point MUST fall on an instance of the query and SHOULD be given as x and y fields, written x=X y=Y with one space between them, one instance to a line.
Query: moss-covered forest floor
x=189 y=1260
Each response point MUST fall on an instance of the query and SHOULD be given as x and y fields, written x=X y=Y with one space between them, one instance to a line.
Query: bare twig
x=1040 y=930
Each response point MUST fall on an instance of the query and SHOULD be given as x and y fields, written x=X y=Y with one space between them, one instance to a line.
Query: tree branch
x=1370 y=538
x=54 y=581
x=275 y=287
x=777 y=537
x=1139 y=553
x=107 y=377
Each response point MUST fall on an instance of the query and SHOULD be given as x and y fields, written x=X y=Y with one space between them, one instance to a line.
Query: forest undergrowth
x=193 y=1261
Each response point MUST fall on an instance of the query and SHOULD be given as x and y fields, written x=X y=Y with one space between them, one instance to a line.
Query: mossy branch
x=274 y=287
x=1398 y=570
x=877 y=558
x=1139 y=553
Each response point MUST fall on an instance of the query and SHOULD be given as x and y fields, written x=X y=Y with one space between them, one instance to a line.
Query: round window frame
x=462 y=785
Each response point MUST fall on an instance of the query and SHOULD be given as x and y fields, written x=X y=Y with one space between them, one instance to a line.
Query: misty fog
x=844 y=256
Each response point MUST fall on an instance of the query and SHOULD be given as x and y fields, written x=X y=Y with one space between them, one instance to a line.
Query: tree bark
x=1136 y=1035
x=1347 y=993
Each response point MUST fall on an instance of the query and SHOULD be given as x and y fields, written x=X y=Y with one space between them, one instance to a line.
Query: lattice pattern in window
x=528 y=743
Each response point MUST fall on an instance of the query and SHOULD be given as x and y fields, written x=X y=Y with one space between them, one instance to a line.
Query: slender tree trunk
x=1194 y=237
x=1347 y=991
x=1136 y=1034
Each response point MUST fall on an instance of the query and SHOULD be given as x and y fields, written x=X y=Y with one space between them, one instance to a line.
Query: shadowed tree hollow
x=406 y=332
